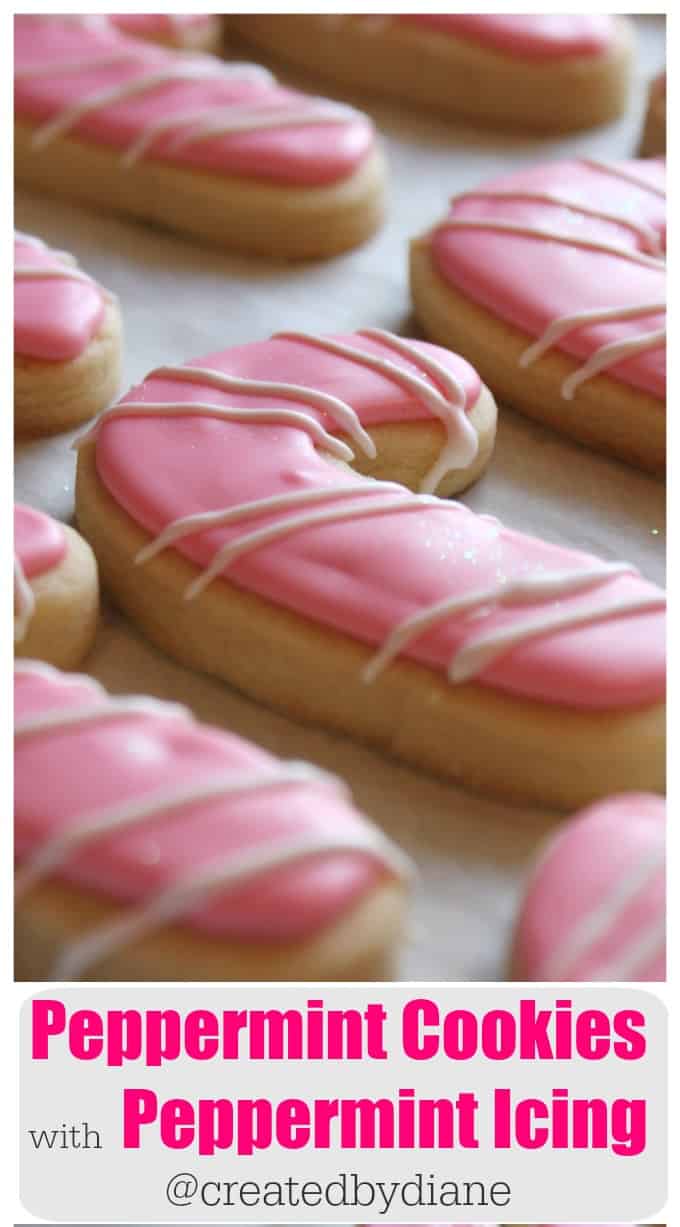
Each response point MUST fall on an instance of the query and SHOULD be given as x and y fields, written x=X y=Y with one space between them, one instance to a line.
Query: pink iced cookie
x=141 y=120
x=161 y=838
x=553 y=280
x=595 y=904
x=250 y=508
x=55 y=590
x=58 y=308
x=531 y=71
x=66 y=339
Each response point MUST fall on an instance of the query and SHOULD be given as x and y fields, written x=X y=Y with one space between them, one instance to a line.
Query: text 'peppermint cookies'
x=228 y=523
x=217 y=150
x=552 y=281
x=152 y=847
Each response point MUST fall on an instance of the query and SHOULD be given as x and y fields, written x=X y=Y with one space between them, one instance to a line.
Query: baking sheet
x=180 y=300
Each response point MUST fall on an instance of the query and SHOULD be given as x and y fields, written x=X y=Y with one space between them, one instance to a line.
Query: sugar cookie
x=67 y=340
x=549 y=73
x=654 y=134
x=152 y=847
x=217 y=150
x=552 y=281
x=56 y=591
x=228 y=524
x=595 y=903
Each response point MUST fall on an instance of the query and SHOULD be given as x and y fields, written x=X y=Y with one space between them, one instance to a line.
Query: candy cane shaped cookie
x=595 y=902
x=532 y=71
x=217 y=150
x=228 y=522
x=152 y=847
x=56 y=590
x=67 y=340
x=552 y=281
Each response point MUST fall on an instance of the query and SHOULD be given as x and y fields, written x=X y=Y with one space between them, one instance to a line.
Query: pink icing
x=530 y=282
x=363 y=578
x=534 y=36
x=582 y=871
x=39 y=541
x=132 y=755
x=54 y=318
x=313 y=154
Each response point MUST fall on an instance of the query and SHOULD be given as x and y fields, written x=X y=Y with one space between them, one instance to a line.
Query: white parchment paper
x=181 y=300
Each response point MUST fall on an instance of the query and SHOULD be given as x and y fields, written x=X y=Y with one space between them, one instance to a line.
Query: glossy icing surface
x=134 y=754
x=534 y=36
x=55 y=318
x=305 y=152
x=364 y=577
x=39 y=541
x=596 y=901
x=531 y=282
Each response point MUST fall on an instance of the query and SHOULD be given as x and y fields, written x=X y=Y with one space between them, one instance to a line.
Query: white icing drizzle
x=66 y=844
x=285 y=417
x=629 y=176
x=604 y=918
x=448 y=406
x=205 y=882
x=203 y=521
x=66 y=270
x=478 y=651
x=252 y=115
x=554 y=236
x=607 y=355
x=229 y=553
x=648 y=948
x=30 y=272
x=105 y=709
x=24 y=602
x=444 y=398
x=341 y=413
x=645 y=233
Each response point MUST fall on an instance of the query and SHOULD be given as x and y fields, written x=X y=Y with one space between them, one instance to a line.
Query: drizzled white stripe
x=609 y=355
x=581 y=319
x=338 y=410
x=604 y=918
x=629 y=176
x=108 y=708
x=462 y=442
x=200 y=886
x=480 y=650
x=553 y=236
x=444 y=397
x=87 y=829
x=648 y=949
x=225 y=557
x=285 y=417
x=640 y=228
x=24 y=602
x=203 y=521
x=25 y=272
